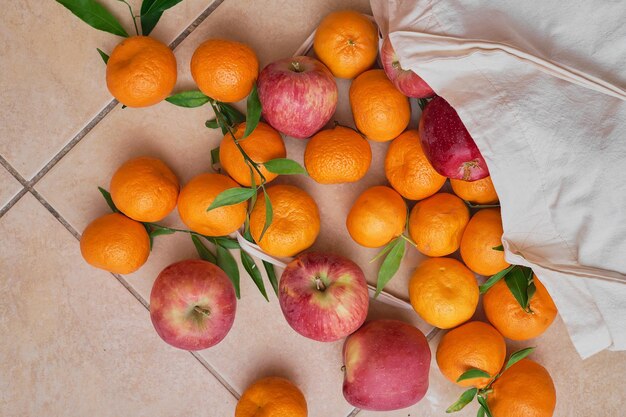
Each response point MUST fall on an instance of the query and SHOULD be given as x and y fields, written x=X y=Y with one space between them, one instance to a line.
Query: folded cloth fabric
x=540 y=87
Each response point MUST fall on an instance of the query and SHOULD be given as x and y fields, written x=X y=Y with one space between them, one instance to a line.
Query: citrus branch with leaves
x=482 y=393
x=98 y=17
x=222 y=257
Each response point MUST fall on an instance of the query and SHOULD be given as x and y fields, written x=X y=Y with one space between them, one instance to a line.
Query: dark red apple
x=323 y=296
x=409 y=83
x=386 y=366
x=448 y=145
x=192 y=304
x=298 y=95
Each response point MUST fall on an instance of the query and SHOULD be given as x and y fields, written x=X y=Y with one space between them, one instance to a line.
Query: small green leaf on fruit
x=518 y=285
x=284 y=166
x=473 y=373
x=103 y=55
x=189 y=99
x=481 y=206
x=232 y=115
x=463 y=400
x=483 y=403
x=481 y=412
x=226 y=261
x=151 y=11
x=390 y=265
x=211 y=124
x=226 y=242
x=498 y=248
x=269 y=214
x=202 y=250
x=232 y=196
x=494 y=279
x=108 y=199
x=95 y=15
x=253 y=111
x=271 y=275
x=250 y=267
x=518 y=356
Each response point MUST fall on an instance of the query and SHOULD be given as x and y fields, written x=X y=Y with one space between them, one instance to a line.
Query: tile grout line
x=29 y=184
x=354 y=412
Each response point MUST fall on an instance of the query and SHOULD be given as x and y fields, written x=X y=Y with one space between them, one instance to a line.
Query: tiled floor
x=78 y=341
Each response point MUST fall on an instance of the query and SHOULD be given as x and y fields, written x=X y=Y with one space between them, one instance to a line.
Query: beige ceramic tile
x=9 y=186
x=77 y=343
x=592 y=387
x=52 y=78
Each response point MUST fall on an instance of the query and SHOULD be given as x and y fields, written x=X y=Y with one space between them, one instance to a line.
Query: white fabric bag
x=540 y=87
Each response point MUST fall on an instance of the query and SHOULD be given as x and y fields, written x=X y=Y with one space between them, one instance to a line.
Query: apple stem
x=204 y=311
x=295 y=66
x=319 y=284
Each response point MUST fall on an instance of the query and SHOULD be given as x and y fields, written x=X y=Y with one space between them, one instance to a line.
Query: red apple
x=192 y=304
x=323 y=296
x=409 y=83
x=298 y=95
x=386 y=366
x=448 y=145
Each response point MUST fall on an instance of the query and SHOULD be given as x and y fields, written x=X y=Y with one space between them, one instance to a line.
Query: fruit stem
x=204 y=311
x=222 y=120
x=295 y=66
x=133 y=16
x=319 y=284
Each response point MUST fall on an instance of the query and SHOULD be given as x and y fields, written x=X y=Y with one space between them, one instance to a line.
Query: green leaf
x=253 y=112
x=271 y=275
x=215 y=158
x=463 y=400
x=483 y=402
x=250 y=266
x=232 y=115
x=422 y=102
x=104 y=56
x=124 y=106
x=518 y=356
x=498 y=248
x=226 y=242
x=269 y=214
x=95 y=15
x=226 y=261
x=108 y=199
x=284 y=166
x=481 y=412
x=473 y=373
x=189 y=99
x=390 y=265
x=231 y=196
x=148 y=228
x=518 y=284
x=158 y=231
x=494 y=279
x=383 y=251
x=151 y=11
x=202 y=250
x=211 y=124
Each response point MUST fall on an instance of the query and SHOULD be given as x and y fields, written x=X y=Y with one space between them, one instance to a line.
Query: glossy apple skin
x=323 y=296
x=448 y=145
x=387 y=364
x=409 y=83
x=178 y=290
x=298 y=95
